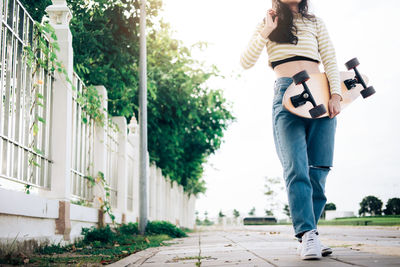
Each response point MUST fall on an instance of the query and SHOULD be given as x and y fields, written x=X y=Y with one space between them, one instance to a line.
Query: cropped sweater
x=313 y=42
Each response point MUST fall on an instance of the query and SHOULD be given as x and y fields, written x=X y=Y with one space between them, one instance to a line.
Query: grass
x=100 y=253
x=386 y=220
x=100 y=246
x=389 y=220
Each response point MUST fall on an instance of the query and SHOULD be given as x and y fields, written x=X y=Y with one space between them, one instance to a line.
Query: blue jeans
x=305 y=149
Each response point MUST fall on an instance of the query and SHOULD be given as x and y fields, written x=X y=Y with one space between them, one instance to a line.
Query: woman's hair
x=284 y=31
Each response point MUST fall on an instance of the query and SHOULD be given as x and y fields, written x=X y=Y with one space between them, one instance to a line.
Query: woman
x=296 y=41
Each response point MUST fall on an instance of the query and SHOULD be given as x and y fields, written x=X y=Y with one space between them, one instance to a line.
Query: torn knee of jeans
x=321 y=167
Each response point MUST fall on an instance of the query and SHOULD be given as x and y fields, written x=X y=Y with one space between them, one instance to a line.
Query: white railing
x=111 y=175
x=20 y=161
x=82 y=147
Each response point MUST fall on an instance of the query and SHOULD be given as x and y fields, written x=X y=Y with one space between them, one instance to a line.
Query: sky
x=367 y=141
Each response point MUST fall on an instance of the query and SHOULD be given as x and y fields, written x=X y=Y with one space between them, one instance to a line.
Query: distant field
x=368 y=220
x=391 y=220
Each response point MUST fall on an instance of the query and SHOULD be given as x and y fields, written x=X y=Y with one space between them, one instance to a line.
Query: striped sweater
x=313 y=42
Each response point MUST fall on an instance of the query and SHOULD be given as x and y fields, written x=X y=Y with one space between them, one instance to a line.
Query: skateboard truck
x=301 y=99
x=351 y=83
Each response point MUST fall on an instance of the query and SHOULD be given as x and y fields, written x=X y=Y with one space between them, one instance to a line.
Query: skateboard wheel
x=300 y=77
x=317 y=111
x=367 y=92
x=352 y=63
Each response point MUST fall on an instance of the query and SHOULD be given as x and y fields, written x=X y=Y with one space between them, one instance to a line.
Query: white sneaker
x=310 y=246
x=325 y=250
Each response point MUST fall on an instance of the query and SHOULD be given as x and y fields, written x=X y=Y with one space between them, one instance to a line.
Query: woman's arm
x=328 y=57
x=254 y=48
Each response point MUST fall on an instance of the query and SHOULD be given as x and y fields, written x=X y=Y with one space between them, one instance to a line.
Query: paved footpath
x=272 y=246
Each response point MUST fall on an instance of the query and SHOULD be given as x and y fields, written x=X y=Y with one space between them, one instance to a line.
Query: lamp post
x=143 y=198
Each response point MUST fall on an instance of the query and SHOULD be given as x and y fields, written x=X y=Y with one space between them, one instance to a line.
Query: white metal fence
x=112 y=164
x=82 y=147
x=20 y=86
x=70 y=149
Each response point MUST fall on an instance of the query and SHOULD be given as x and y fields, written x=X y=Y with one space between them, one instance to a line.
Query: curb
x=136 y=259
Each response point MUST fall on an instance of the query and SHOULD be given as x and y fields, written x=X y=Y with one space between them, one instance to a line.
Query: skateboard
x=308 y=95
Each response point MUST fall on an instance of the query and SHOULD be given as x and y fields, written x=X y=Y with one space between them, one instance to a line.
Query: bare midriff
x=289 y=69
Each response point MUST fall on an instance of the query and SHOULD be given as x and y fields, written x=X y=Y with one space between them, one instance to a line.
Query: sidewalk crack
x=255 y=254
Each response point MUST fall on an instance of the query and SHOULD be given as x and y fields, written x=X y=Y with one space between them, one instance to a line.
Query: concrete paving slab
x=273 y=246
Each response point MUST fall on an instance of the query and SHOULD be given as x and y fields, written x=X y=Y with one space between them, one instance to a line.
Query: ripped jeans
x=305 y=149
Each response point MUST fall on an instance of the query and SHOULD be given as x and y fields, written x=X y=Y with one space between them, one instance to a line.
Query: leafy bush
x=164 y=227
x=104 y=234
x=128 y=229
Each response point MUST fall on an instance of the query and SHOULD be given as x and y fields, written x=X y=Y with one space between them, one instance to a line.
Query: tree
x=198 y=221
x=206 y=220
x=252 y=211
x=269 y=212
x=220 y=216
x=236 y=214
x=36 y=8
x=328 y=206
x=186 y=119
x=273 y=187
x=286 y=210
x=371 y=205
x=392 y=206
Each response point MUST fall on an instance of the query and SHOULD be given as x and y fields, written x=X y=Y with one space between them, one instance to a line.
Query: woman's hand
x=269 y=23
x=334 y=105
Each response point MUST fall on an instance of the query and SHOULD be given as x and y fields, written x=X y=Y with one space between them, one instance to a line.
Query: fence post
x=122 y=188
x=158 y=194
x=168 y=199
x=61 y=127
x=100 y=156
x=134 y=140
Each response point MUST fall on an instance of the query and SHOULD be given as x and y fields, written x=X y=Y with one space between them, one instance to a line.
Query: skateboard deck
x=319 y=88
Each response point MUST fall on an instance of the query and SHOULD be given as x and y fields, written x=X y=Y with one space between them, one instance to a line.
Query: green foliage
x=236 y=213
x=82 y=202
x=186 y=120
x=392 y=206
x=207 y=222
x=103 y=234
x=51 y=249
x=269 y=213
x=273 y=187
x=128 y=229
x=371 y=205
x=220 y=214
x=330 y=206
x=286 y=210
x=36 y=8
x=252 y=211
x=94 y=253
x=164 y=227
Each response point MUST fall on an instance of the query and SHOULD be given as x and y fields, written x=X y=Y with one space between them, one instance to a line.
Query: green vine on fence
x=43 y=56
x=105 y=203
